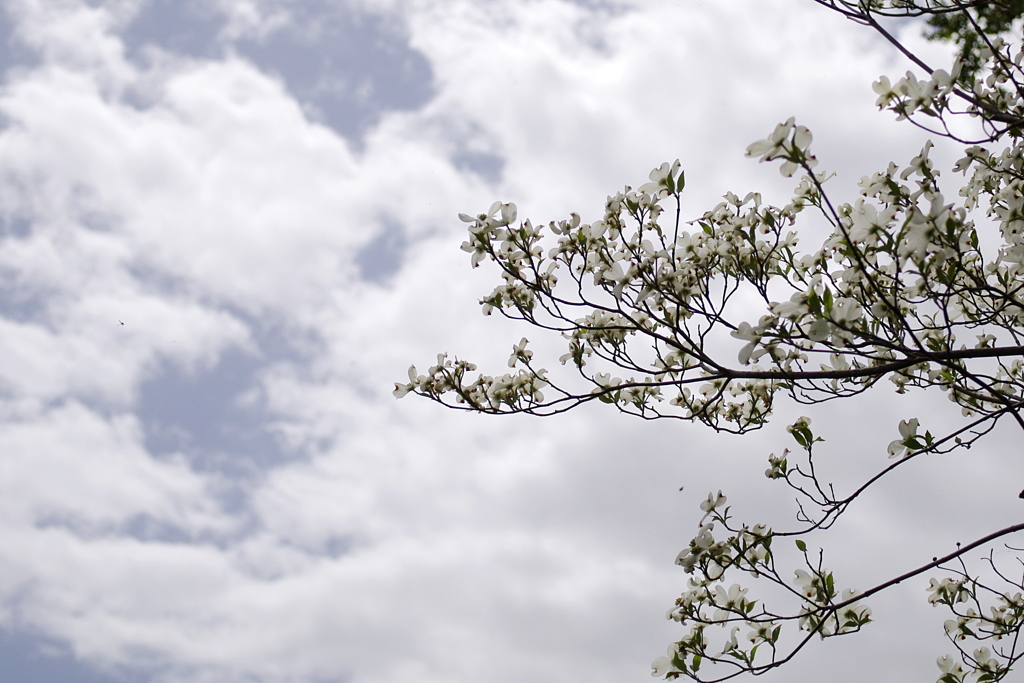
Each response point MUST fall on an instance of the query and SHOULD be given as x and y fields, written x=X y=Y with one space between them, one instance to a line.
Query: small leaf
x=801 y=545
x=813 y=302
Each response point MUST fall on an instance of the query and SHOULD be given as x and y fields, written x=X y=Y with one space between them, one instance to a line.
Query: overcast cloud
x=227 y=228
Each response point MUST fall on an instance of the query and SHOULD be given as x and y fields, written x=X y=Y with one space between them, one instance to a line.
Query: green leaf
x=814 y=302
x=803 y=435
x=801 y=545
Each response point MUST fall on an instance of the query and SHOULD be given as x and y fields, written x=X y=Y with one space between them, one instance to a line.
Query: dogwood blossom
x=713 y=502
x=788 y=141
x=665 y=666
x=952 y=672
x=907 y=440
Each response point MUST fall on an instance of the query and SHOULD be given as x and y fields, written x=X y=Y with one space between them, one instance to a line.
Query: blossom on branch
x=657 y=312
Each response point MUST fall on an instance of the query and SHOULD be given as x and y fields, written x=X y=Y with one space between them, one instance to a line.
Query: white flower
x=712 y=503
x=801 y=141
x=794 y=309
x=908 y=430
x=919 y=164
x=819 y=330
x=918 y=94
x=731 y=643
x=663 y=180
x=664 y=665
x=752 y=335
x=773 y=146
x=506 y=215
x=867 y=224
x=846 y=309
x=951 y=668
x=945 y=589
x=704 y=539
x=762 y=632
x=944 y=80
x=838 y=362
x=730 y=601
x=777 y=466
x=687 y=559
x=414 y=380
x=779 y=146
x=605 y=381
x=807 y=583
x=884 y=89
x=985 y=660
x=520 y=353
x=854 y=614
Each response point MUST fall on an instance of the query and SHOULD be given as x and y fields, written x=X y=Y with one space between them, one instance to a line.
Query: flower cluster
x=708 y=601
x=709 y=319
x=910 y=95
x=484 y=393
x=883 y=296
x=880 y=283
x=747 y=548
x=820 y=614
x=1003 y=623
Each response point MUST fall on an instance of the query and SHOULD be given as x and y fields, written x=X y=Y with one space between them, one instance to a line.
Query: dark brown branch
x=875 y=370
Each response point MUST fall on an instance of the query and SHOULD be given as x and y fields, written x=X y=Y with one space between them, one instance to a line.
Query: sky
x=228 y=227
